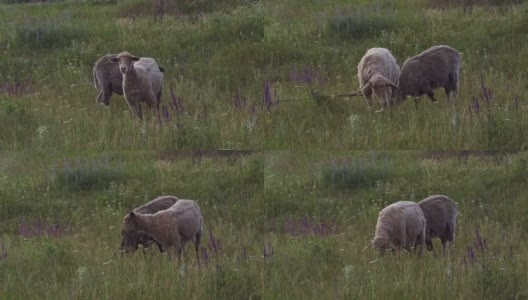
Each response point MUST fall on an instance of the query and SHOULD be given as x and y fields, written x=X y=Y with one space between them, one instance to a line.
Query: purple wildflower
x=267 y=95
x=471 y=254
x=486 y=92
x=293 y=74
x=476 y=105
x=166 y=113
x=176 y=102
x=308 y=76
x=479 y=240
x=212 y=241
x=204 y=255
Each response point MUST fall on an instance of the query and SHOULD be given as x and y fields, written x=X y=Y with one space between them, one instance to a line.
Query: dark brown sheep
x=440 y=213
x=108 y=79
x=130 y=240
x=436 y=67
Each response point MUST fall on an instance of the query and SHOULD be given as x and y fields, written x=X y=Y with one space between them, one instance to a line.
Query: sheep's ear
x=114 y=59
x=161 y=69
x=132 y=215
x=134 y=58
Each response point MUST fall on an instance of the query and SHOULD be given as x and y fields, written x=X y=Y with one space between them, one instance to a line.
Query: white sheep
x=436 y=67
x=441 y=214
x=172 y=227
x=378 y=74
x=142 y=81
x=400 y=225
x=108 y=78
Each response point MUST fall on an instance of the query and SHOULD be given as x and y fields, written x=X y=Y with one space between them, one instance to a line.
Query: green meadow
x=236 y=72
x=277 y=225
x=289 y=184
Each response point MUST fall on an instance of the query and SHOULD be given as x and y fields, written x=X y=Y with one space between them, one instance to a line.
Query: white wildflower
x=353 y=120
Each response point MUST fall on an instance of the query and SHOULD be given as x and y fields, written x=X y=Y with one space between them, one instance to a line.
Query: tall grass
x=275 y=225
x=213 y=56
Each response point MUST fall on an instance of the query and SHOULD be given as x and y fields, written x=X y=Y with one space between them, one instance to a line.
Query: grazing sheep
x=378 y=74
x=131 y=239
x=440 y=213
x=400 y=225
x=436 y=67
x=172 y=227
x=142 y=81
x=108 y=78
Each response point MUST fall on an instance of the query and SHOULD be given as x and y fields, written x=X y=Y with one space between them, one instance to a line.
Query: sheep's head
x=130 y=233
x=125 y=61
x=381 y=244
x=382 y=88
x=130 y=241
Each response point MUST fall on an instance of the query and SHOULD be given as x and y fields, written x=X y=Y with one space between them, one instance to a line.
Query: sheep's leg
x=197 y=240
x=99 y=98
x=429 y=245
x=134 y=107
x=443 y=247
x=421 y=241
x=104 y=96
x=139 y=113
x=180 y=250
x=453 y=87
x=431 y=95
x=160 y=248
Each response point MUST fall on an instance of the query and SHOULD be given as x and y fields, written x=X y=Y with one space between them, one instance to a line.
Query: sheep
x=400 y=225
x=172 y=227
x=131 y=239
x=440 y=213
x=436 y=67
x=142 y=81
x=378 y=74
x=108 y=79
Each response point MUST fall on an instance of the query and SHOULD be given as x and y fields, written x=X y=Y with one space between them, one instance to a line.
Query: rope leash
x=319 y=98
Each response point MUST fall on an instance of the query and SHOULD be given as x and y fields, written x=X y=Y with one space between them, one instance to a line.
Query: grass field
x=289 y=188
x=232 y=68
x=278 y=225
